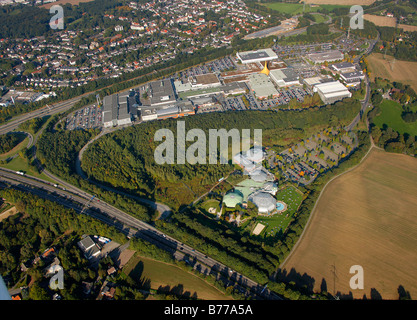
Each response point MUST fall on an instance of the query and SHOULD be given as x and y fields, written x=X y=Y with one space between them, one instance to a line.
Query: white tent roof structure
x=265 y=202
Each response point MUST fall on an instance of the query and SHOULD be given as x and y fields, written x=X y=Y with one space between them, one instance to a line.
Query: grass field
x=279 y=222
x=345 y=2
x=297 y=8
x=19 y=164
x=366 y=217
x=391 y=116
x=401 y=71
x=163 y=274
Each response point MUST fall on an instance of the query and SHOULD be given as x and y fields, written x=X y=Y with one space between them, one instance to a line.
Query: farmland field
x=366 y=217
x=161 y=274
x=62 y=2
x=384 y=21
x=401 y=71
x=391 y=116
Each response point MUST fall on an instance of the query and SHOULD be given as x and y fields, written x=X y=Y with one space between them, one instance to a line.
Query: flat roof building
x=331 y=92
x=178 y=109
x=257 y=56
x=161 y=92
x=118 y=108
x=343 y=67
x=312 y=82
x=329 y=56
x=285 y=77
x=261 y=86
x=352 y=78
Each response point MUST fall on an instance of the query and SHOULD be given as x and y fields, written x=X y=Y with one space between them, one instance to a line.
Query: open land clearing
x=8 y=213
x=365 y=217
x=171 y=277
x=62 y=2
x=400 y=71
x=298 y=8
x=345 y=2
x=384 y=21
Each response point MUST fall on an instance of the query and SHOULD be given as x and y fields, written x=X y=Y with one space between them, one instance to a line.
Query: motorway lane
x=128 y=224
x=45 y=111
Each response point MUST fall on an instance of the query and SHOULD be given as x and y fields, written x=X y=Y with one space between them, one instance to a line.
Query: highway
x=42 y=112
x=83 y=202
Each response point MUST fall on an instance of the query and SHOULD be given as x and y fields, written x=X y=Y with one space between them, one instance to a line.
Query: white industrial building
x=329 y=56
x=257 y=56
x=331 y=92
x=261 y=86
x=352 y=78
x=284 y=77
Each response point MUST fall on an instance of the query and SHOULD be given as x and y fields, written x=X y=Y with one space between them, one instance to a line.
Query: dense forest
x=9 y=141
x=23 y=21
x=39 y=225
x=125 y=159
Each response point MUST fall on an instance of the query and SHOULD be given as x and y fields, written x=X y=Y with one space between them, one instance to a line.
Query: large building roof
x=161 y=92
x=232 y=199
x=265 y=202
x=320 y=57
x=257 y=56
x=261 y=85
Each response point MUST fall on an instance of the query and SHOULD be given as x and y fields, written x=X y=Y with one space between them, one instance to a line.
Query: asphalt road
x=45 y=111
x=85 y=203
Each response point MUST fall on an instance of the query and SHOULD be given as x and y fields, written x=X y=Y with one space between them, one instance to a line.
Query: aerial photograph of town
x=201 y=156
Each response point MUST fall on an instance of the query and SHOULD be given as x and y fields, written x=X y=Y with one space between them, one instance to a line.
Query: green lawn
x=19 y=164
x=279 y=222
x=211 y=203
x=297 y=8
x=154 y=274
x=391 y=116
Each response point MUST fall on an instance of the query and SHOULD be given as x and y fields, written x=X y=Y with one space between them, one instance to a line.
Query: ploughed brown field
x=398 y=70
x=384 y=21
x=367 y=217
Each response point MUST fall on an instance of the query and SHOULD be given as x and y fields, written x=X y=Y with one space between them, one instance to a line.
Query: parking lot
x=239 y=103
x=216 y=66
x=284 y=98
x=85 y=118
